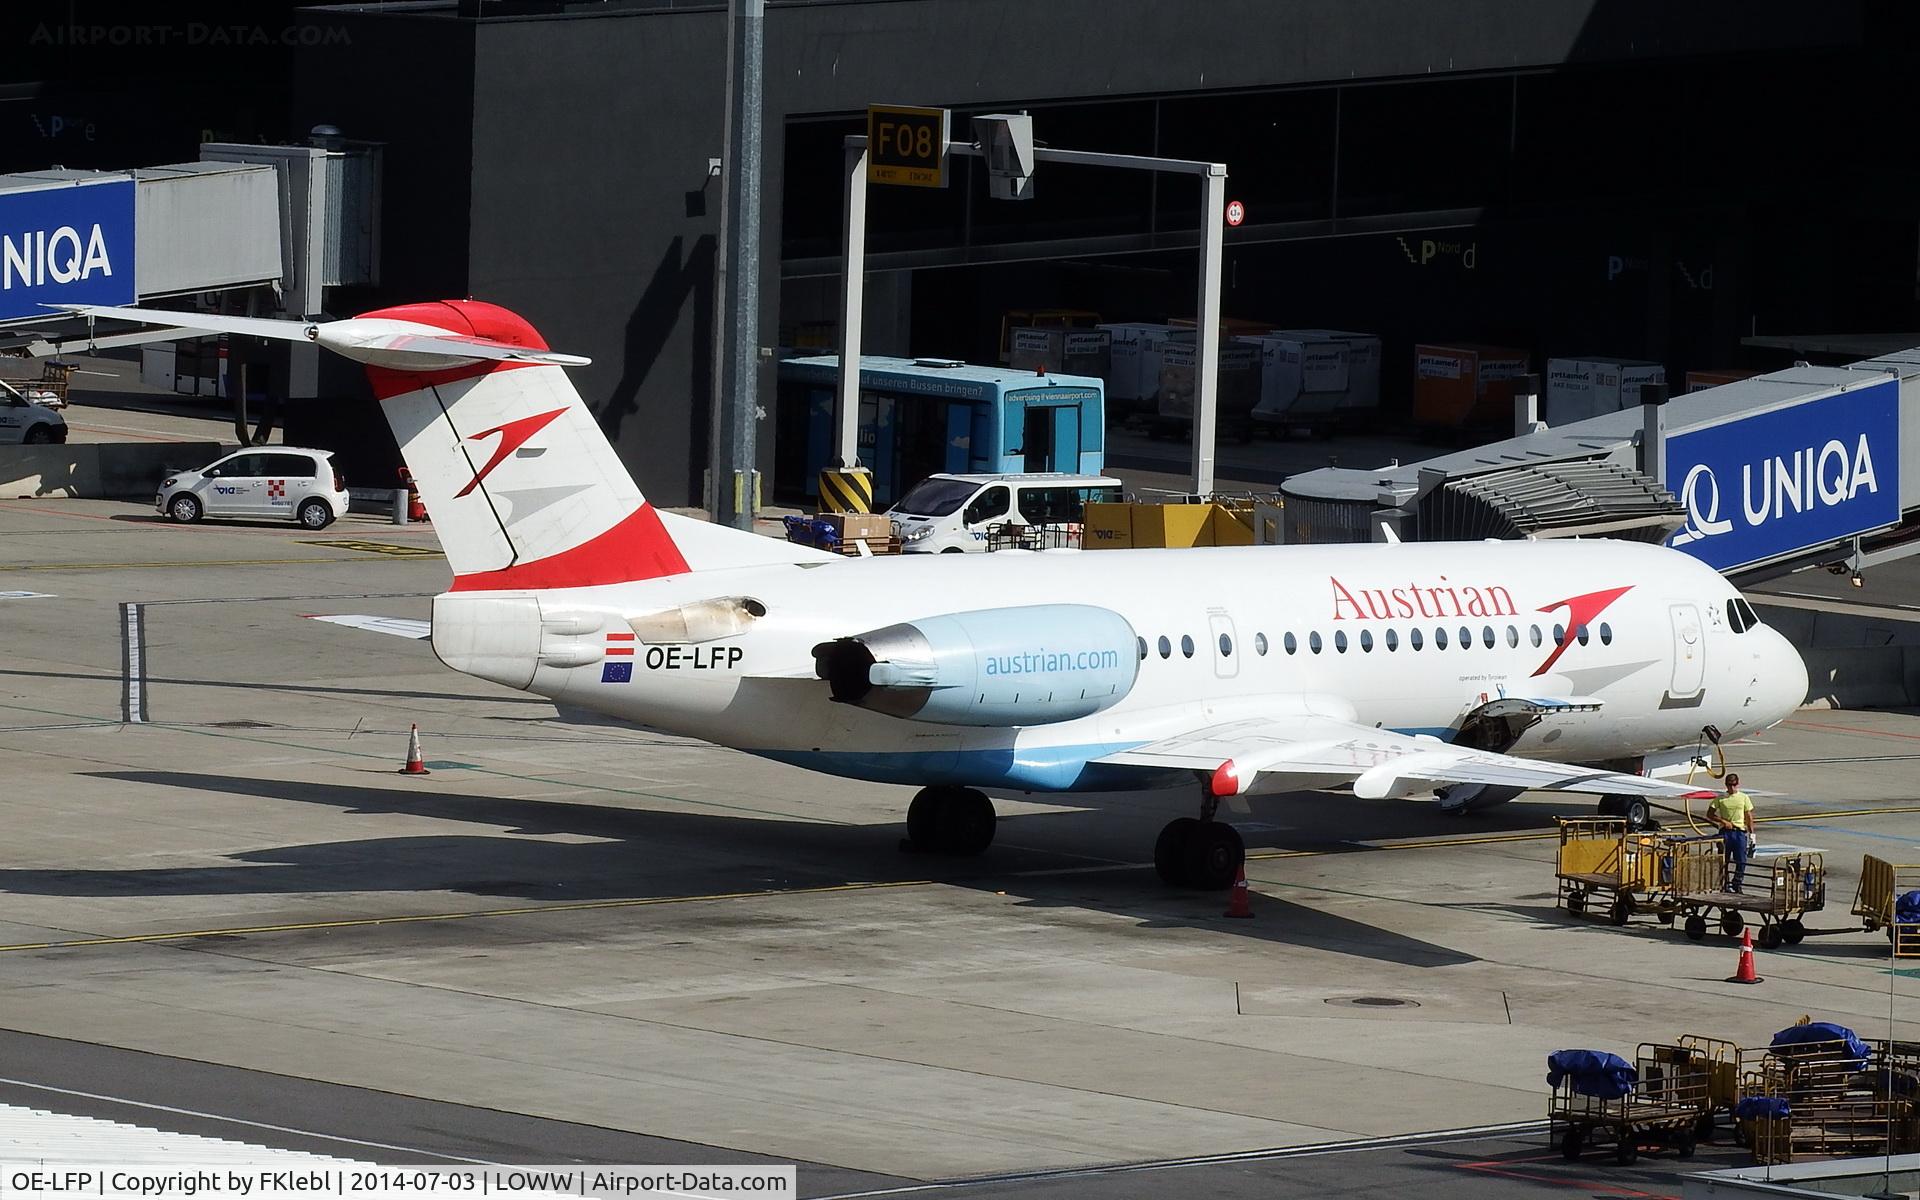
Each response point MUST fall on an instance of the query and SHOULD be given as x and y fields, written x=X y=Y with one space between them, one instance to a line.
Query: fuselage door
x=1689 y=651
x=1226 y=649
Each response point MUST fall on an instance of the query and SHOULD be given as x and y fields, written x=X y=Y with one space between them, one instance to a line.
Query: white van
x=26 y=421
x=952 y=514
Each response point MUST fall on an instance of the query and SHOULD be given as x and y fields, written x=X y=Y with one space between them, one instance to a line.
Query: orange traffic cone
x=1237 y=905
x=1746 y=973
x=414 y=764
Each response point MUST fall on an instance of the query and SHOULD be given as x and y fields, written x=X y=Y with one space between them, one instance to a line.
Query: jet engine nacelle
x=995 y=666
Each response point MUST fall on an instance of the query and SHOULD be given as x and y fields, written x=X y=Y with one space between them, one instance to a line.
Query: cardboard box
x=860 y=525
x=1579 y=388
x=1700 y=381
x=1465 y=385
x=1316 y=372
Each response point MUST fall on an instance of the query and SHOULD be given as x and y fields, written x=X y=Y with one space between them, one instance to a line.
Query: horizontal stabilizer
x=379 y=341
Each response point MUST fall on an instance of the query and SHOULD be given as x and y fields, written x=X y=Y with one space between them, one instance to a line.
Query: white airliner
x=1473 y=671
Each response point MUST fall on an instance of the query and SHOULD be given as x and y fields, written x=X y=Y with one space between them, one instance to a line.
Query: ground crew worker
x=1733 y=813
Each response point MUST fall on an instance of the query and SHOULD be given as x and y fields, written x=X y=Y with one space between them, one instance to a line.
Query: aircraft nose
x=1783 y=686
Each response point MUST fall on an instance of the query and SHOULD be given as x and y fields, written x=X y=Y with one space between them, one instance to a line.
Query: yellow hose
x=1716 y=770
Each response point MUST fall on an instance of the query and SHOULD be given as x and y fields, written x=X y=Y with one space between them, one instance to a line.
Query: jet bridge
x=275 y=224
x=1799 y=467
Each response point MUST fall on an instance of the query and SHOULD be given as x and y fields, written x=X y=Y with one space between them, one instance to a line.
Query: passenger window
x=1143 y=649
x=1606 y=634
x=1439 y=638
x=1581 y=634
x=1513 y=637
x=1226 y=646
x=1260 y=644
x=1466 y=638
x=1313 y=641
x=1340 y=640
x=1288 y=640
x=1186 y=645
x=1413 y=637
x=1486 y=636
x=1393 y=641
x=243 y=466
x=290 y=466
x=987 y=505
x=1166 y=648
x=1559 y=635
x=1049 y=506
x=1366 y=641
x=1533 y=635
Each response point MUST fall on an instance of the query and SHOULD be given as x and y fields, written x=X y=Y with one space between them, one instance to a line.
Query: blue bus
x=919 y=416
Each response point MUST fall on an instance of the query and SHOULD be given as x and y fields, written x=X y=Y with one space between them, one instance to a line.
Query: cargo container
x=1466 y=385
x=1238 y=390
x=1314 y=378
x=1069 y=351
x=1590 y=386
x=1700 y=381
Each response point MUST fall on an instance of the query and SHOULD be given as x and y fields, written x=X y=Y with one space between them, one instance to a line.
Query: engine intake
x=1031 y=665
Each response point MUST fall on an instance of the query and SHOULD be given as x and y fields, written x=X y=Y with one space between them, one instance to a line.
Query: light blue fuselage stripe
x=1037 y=768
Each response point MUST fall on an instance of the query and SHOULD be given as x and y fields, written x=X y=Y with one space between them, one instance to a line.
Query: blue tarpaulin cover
x=1763 y=1107
x=1591 y=1073
x=1823 y=1039
x=1906 y=908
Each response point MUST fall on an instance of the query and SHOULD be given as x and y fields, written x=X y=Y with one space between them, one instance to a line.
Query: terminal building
x=1583 y=179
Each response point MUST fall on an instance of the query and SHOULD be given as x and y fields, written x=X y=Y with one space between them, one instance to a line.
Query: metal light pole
x=736 y=404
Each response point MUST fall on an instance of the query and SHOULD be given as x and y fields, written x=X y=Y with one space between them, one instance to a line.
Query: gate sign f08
x=66 y=245
x=907 y=145
x=1783 y=481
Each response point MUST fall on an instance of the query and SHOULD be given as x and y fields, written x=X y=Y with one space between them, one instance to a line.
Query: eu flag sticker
x=620 y=672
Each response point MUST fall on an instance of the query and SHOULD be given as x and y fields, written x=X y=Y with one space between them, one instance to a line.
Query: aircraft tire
x=1170 y=851
x=1214 y=856
x=950 y=820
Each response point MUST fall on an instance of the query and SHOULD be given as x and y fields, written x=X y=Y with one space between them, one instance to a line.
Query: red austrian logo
x=1581 y=610
x=513 y=435
x=1386 y=604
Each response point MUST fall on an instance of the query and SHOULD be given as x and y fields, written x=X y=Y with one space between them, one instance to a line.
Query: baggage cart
x=1825 y=1099
x=1600 y=865
x=1778 y=892
x=1665 y=1106
x=1877 y=903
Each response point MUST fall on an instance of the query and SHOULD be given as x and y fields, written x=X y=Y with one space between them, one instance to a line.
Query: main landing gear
x=1635 y=809
x=1199 y=853
x=950 y=820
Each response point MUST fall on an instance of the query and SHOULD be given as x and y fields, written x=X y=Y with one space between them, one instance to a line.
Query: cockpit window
x=1740 y=615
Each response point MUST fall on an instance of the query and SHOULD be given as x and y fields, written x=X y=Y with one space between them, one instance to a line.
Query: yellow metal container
x=1108 y=527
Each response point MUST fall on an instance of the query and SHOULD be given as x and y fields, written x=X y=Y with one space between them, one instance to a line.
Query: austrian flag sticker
x=619 y=665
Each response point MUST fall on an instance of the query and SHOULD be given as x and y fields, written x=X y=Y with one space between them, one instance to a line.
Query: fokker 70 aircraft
x=1470 y=670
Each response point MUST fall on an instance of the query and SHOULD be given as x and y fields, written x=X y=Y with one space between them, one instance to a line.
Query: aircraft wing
x=1307 y=751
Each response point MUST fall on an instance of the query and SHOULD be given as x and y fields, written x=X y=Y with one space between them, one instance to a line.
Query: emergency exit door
x=1226 y=651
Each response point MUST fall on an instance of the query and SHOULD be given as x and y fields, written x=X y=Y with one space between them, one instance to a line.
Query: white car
x=24 y=422
x=952 y=514
x=259 y=481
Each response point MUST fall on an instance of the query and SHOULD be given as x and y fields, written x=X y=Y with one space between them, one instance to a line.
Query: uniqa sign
x=1778 y=482
x=66 y=245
